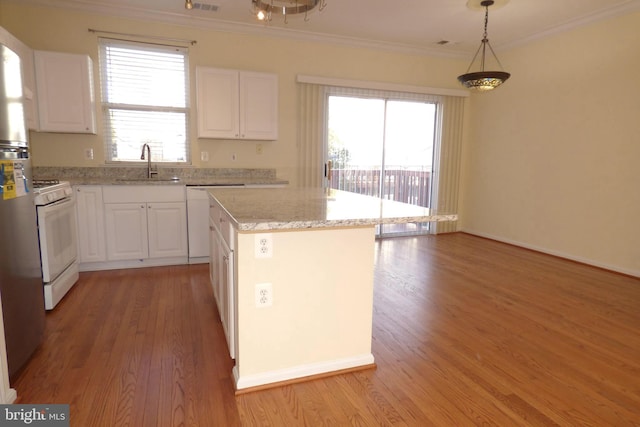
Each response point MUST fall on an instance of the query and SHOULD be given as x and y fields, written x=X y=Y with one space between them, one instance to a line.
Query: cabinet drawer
x=227 y=230
x=221 y=221
x=214 y=213
x=143 y=193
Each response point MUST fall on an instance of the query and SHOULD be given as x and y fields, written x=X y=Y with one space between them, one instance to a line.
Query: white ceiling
x=406 y=25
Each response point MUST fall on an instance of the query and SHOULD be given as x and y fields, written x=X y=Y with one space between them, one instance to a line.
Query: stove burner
x=41 y=183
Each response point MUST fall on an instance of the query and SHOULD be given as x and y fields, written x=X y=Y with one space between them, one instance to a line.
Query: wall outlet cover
x=264 y=245
x=264 y=295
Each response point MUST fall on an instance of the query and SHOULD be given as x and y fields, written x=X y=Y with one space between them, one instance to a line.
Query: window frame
x=106 y=106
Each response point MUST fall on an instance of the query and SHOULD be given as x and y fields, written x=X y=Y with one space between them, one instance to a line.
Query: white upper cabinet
x=236 y=104
x=28 y=76
x=65 y=92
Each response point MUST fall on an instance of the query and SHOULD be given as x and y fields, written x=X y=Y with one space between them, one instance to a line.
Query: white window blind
x=145 y=95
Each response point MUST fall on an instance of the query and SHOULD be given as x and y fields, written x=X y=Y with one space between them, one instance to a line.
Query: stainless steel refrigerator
x=21 y=287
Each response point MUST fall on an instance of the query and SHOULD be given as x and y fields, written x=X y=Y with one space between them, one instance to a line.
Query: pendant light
x=265 y=9
x=482 y=80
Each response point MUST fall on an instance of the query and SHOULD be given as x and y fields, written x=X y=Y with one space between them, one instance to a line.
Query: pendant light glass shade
x=482 y=80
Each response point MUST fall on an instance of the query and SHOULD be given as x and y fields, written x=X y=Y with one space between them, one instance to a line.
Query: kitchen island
x=297 y=299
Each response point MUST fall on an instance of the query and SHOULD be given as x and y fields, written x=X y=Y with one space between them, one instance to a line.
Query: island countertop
x=304 y=208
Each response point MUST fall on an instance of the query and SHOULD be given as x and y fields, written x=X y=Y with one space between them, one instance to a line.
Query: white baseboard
x=199 y=260
x=136 y=263
x=559 y=254
x=301 y=371
x=9 y=396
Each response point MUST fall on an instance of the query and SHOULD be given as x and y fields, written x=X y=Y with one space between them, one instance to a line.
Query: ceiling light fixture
x=482 y=80
x=264 y=9
x=188 y=4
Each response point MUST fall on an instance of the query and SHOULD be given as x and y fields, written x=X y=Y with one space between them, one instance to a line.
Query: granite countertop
x=302 y=208
x=205 y=181
x=136 y=175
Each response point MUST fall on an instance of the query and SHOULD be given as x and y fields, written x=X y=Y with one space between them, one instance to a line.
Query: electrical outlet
x=264 y=295
x=88 y=153
x=258 y=148
x=264 y=245
x=204 y=156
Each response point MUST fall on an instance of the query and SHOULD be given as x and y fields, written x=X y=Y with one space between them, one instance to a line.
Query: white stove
x=56 y=212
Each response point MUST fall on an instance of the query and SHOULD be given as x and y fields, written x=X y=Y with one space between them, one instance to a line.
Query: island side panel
x=321 y=317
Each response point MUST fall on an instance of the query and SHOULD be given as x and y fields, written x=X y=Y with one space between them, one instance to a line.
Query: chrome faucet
x=150 y=172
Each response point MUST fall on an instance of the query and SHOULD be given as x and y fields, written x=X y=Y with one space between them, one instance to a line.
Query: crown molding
x=601 y=15
x=261 y=30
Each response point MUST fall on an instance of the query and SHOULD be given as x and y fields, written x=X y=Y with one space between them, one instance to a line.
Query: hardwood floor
x=466 y=331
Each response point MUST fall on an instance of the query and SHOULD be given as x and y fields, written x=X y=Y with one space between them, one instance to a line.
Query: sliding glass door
x=383 y=147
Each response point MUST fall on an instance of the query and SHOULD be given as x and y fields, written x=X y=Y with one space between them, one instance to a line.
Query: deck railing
x=408 y=186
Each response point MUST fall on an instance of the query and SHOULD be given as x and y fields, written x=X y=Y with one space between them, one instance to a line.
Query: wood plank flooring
x=467 y=331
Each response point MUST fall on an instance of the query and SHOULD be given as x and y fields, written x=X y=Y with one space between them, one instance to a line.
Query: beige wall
x=326 y=291
x=552 y=161
x=64 y=30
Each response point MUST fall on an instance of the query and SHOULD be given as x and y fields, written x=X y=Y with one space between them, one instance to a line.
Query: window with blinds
x=145 y=100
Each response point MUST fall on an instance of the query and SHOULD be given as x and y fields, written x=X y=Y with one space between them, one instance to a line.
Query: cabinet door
x=90 y=215
x=65 y=92
x=167 y=223
x=214 y=268
x=126 y=227
x=28 y=76
x=31 y=115
x=217 y=103
x=258 y=106
x=226 y=296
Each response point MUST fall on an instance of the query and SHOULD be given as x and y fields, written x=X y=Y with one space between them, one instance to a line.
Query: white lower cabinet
x=222 y=271
x=227 y=285
x=145 y=222
x=167 y=228
x=146 y=230
x=90 y=220
x=126 y=225
x=214 y=246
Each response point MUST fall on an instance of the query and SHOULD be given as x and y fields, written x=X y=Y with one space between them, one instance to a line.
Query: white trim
x=600 y=15
x=257 y=29
x=363 y=84
x=191 y=21
x=9 y=396
x=560 y=254
x=302 y=371
x=132 y=263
